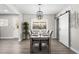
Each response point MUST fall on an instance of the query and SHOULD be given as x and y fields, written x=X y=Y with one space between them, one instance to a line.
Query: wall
x=50 y=19
x=74 y=30
x=11 y=30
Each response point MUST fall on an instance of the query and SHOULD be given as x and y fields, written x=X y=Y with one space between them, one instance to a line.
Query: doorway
x=64 y=28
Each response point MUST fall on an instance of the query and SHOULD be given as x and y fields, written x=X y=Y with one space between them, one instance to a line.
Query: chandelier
x=39 y=12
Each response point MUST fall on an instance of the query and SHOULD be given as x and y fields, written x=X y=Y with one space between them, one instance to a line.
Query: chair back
x=30 y=32
x=51 y=34
x=48 y=31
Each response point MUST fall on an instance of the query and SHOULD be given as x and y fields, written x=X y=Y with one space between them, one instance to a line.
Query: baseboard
x=74 y=50
x=8 y=37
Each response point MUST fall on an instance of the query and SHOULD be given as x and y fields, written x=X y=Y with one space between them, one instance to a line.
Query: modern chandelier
x=39 y=12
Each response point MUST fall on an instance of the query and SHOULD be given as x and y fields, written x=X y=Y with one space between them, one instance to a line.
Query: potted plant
x=25 y=30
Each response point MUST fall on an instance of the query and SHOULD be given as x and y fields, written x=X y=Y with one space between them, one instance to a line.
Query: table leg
x=40 y=45
x=30 y=45
x=49 y=43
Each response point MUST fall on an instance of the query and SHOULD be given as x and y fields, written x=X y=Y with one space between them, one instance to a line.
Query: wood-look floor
x=8 y=46
x=58 y=48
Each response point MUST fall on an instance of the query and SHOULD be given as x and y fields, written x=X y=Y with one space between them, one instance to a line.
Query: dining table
x=40 y=38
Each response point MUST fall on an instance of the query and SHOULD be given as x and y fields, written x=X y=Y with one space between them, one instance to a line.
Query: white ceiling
x=7 y=9
x=46 y=8
x=32 y=8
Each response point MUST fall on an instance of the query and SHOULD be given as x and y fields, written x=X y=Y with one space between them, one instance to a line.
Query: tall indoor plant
x=25 y=29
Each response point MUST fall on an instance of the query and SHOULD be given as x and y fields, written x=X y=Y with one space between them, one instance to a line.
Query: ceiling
x=32 y=8
x=7 y=9
x=46 y=8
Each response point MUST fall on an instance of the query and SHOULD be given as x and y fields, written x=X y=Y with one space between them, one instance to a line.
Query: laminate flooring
x=12 y=46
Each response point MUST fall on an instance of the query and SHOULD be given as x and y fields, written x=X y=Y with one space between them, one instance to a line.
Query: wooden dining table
x=40 y=38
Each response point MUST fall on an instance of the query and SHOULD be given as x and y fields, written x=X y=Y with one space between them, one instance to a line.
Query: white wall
x=74 y=29
x=11 y=30
x=49 y=18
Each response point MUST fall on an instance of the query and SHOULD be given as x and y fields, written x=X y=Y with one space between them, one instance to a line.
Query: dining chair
x=35 y=46
x=45 y=43
x=48 y=31
x=51 y=34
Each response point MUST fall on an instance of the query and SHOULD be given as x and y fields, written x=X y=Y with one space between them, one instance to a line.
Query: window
x=3 y=22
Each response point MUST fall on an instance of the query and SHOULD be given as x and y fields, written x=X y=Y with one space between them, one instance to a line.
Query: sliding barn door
x=64 y=29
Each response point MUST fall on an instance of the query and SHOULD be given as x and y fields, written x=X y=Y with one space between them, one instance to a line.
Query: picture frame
x=39 y=25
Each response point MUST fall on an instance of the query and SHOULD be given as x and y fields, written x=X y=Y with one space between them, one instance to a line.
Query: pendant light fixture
x=39 y=12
